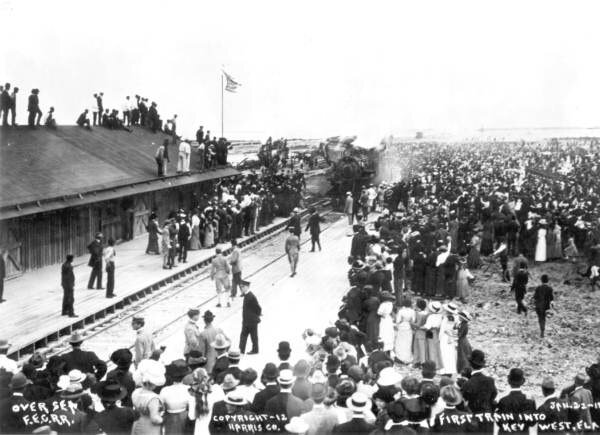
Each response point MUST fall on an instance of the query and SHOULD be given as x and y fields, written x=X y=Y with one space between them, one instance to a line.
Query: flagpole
x=222 y=92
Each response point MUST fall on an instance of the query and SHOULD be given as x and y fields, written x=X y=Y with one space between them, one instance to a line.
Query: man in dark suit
x=543 y=298
x=2 y=273
x=221 y=344
x=314 y=225
x=269 y=379
x=87 y=362
x=358 y=403
x=516 y=404
x=5 y=103
x=251 y=312
x=33 y=107
x=295 y=222
x=284 y=402
x=68 y=284
x=13 y=408
x=95 y=250
x=519 y=285
x=230 y=413
x=480 y=390
x=554 y=414
x=360 y=240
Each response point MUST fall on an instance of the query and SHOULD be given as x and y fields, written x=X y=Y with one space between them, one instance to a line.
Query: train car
x=351 y=166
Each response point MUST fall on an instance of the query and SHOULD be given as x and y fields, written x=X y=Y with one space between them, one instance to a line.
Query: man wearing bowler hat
x=480 y=390
x=114 y=419
x=251 y=312
x=85 y=361
x=269 y=379
x=516 y=403
x=95 y=249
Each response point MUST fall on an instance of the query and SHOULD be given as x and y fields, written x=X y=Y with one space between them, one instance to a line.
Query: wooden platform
x=31 y=316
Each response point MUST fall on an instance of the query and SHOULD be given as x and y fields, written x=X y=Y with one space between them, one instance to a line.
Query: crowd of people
x=408 y=283
x=8 y=105
x=239 y=207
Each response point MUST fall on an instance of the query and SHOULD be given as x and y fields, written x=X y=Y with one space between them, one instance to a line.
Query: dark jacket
x=221 y=365
x=33 y=104
x=95 y=250
x=295 y=223
x=480 y=391
x=554 y=416
x=516 y=403
x=446 y=422
x=261 y=398
x=87 y=362
x=543 y=296
x=355 y=426
x=116 y=421
x=67 y=279
x=251 y=310
x=314 y=224
x=10 y=421
x=284 y=403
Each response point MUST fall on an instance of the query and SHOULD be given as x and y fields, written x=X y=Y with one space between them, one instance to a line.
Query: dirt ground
x=510 y=340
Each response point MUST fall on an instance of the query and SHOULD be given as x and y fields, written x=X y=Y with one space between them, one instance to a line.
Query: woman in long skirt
x=432 y=333
x=195 y=237
x=386 y=323
x=462 y=281
x=404 y=332
x=448 y=340
x=463 y=347
x=540 y=247
x=557 y=251
x=153 y=233
x=209 y=231
x=419 y=344
x=176 y=399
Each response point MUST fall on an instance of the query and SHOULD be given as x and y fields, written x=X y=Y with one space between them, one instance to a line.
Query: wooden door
x=141 y=214
x=10 y=243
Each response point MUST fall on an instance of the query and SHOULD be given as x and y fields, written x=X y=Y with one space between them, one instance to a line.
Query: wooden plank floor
x=34 y=300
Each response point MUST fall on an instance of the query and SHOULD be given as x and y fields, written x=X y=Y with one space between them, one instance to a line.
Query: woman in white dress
x=386 y=322
x=448 y=339
x=404 y=333
x=540 y=247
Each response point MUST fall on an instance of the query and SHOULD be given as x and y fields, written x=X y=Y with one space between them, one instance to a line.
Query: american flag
x=231 y=85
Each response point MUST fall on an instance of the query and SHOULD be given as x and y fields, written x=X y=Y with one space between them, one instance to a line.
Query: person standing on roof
x=33 y=107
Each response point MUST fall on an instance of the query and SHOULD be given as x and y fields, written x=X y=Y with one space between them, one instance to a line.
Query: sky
x=312 y=68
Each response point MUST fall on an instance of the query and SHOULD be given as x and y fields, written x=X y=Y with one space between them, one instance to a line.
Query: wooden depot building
x=59 y=187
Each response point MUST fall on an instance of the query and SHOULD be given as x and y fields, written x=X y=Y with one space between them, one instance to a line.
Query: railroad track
x=171 y=303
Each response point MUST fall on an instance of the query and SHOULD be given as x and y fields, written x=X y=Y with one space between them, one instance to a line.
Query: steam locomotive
x=351 y=167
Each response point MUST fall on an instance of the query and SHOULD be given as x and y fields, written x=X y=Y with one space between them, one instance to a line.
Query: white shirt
x=8 y=364
x=184 y=148
x=175 y=397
